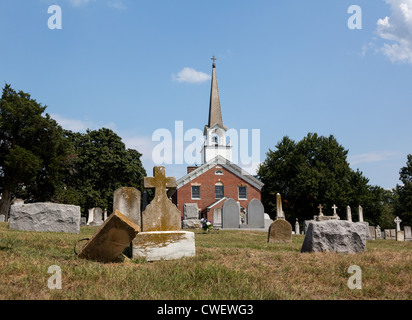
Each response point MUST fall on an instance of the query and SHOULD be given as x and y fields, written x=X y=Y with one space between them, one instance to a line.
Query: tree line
x=40 y=161
x=315 y=171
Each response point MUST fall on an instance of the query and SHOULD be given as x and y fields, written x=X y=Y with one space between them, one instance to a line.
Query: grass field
x=228 y=265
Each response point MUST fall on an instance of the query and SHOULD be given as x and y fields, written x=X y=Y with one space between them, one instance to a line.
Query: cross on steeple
x=214 y=59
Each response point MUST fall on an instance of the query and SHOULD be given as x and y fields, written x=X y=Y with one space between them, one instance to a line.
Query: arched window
x=219 y=173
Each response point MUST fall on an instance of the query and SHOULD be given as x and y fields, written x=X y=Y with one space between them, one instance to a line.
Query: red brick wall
x=207 y=183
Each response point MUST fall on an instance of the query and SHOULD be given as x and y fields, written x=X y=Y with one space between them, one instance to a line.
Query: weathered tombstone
x=105 y=215
x=393 y=234
x=400 y=236
x=191 y=216
x=335 y=214
x=256 y=214
x=217 y=217
x=111 y=239
x=297 y=227
x=90 y=216
x=2 y=218
x=83 y=221
x=127 y=201
x=378 y=232
x=348 y=214
x=45 y=217
x=398 y=224
x=335 y=236
x=280 y=231
x=230 y=214
x=372 y=232
x=360 y=211
x=279 y=210
x=387 y=233
x=408 y=233
x=97 y=217
x=162 y=237
x=322 y=217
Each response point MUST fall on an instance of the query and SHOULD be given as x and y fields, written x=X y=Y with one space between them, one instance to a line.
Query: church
x=217 y=178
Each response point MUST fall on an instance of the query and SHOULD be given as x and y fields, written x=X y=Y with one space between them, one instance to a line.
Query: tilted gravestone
x=162 y=237
x=116 y=233
x=230 y=214
x=335 y=236
x=127 y=201
x=255 y=214
x=45 y=217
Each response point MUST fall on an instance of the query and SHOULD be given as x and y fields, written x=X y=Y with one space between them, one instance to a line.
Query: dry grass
x=228 y=265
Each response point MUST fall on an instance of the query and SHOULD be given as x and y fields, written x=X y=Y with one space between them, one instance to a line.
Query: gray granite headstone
x=45 y=217
x=97 y=217
x=2 y=218
x=255 y=214
x=83 y=221
x=127 y=201
x=230 y=214
x=190 y=211
x=372 y=232
x=408 y=233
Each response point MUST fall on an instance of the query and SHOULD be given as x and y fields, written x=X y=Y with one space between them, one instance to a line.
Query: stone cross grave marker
x=348 y=214
x=398 y=224
x=161 y=214
x=320 y=207
x=334 y=210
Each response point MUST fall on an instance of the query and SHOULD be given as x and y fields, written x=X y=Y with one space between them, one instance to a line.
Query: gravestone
x=116 y=233
x=127 y=201
x=97 y=217
x=268 y=221
x=105 y=215
x=398 y=224
x=360 y=212
x=390 y=234
x=256 y=214
x=372 y=232
x=378 y=232
x=408 y=233
x=280 y=231
x=162 y=237
x=279 y=210
x=45 y=217
x=83 y=221
x=322 y=217
x=335 y=236
x=191 y=216
x=400 y=236
x=90 y=216
x=348 y=214
x=217 y=217
x=230 y=214
x=297 y=227
x=2 y=218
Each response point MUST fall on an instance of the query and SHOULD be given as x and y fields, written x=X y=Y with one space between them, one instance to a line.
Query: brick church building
x=218 y=178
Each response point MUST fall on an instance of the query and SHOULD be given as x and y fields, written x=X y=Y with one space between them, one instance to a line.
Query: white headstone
x=297 y=227
x=398 y=224
x=348 y=214
x=360 y=214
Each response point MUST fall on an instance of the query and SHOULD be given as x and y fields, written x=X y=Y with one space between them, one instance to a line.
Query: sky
x=284 y=67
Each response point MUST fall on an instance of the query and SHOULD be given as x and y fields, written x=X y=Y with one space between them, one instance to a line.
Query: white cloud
x=191 y=75
x=77 y=125
x=117 y=4
x=398 y=30
x=372 y=157
x=78 y=3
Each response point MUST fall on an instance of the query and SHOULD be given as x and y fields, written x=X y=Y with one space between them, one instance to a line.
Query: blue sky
x=284 y=67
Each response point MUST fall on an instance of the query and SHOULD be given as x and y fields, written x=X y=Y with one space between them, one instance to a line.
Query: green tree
x=33 y=149
x=314 y=171
x=403 y=204
x=101 y=165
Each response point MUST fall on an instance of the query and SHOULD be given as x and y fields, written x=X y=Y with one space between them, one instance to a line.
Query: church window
x=219 y=190
x=219 y=173
x=195 y=192
x=242 y=192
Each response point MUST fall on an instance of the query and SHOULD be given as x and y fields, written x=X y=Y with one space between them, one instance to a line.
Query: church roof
x=230 y=166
